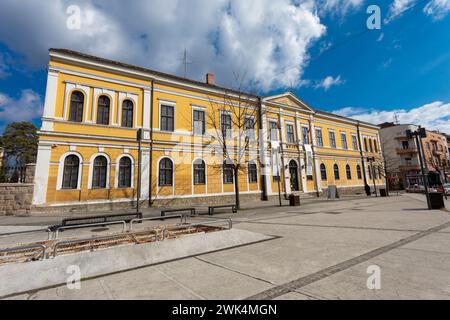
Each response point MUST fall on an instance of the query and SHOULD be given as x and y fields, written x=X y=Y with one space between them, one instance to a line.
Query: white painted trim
x=91 y=168
x=62 y=159
x=116 y=178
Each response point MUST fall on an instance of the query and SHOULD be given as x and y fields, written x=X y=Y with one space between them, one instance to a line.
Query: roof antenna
x=185 y=62
x=396 y=119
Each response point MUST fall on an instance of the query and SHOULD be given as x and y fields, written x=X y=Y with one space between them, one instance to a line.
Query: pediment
x=290 y=100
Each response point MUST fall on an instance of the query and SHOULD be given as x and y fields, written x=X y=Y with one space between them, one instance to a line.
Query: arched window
x=99 y=172
x=323 y=172
x=76 y=106
x=125 y=172
x=199 y=172
x=370 y=145
x=336 y=172
x=165 y=172
x=369 y=168
x=252 y=173
x=348 y=172
x=127 y=114
x=228 y=177
x=70 y=175
x=358 y=171
x=103 y=110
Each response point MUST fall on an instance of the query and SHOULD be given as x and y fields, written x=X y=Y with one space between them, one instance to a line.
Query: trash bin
x=383 y=192
x=437 y=200
x=294 y=201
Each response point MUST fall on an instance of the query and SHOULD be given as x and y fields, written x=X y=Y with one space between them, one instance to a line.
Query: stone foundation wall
x=15 y=199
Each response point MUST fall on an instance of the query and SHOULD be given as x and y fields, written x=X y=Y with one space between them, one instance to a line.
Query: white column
x=145 y=174
x=316 y=161
x=287 y=175
x=265 y=161
x=41 y=174
x=50 y=100
x=146 y=113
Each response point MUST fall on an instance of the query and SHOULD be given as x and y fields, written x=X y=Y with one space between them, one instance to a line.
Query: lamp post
x=418 y=135
x=139 y=137
x=371 y=160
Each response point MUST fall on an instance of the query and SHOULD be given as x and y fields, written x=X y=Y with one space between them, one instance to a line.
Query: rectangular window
x=252 y=173
x=226 y=125
x=290 y=136
x=198 y=122
x=167 y=118
x=305 y=135
x=273 y=130
x=319 y=138
x=354 y=143
x=332 y=139
x=344 y=141
x=249 y=127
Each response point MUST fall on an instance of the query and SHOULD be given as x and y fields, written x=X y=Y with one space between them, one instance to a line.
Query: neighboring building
x=93 y=108
x=402 y=154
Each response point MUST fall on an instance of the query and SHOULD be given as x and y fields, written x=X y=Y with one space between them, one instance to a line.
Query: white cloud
x=397 y=8
x=328 y=82
x=339 y=7
x=437 y=9
x=435 y=115
x=268 y=39
x=27 y=107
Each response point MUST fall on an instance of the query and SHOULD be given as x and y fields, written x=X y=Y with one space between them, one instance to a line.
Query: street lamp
x=139 y=137
x=371 y=160
x=421 y=133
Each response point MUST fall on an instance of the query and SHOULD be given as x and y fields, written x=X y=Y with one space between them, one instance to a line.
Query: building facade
x=194 y=135
x=401 y=154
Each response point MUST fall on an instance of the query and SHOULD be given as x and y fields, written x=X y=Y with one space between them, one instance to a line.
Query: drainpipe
x=261 y=141
x=151 y=144
x=366 y=186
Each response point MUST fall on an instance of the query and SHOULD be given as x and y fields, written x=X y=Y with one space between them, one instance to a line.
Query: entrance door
x=293 y=172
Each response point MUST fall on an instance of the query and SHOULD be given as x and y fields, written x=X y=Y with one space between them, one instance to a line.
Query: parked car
x=447 y=188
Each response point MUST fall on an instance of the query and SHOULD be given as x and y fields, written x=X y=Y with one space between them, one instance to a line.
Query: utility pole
x=277 y=153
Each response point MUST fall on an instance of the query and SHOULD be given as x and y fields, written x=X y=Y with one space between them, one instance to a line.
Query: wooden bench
x=192 y=211
x=232 y=206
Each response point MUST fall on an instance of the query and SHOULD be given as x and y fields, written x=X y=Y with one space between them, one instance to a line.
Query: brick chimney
x=210 y=78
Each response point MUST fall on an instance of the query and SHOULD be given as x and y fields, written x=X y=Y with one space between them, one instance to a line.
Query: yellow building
x=194 y=134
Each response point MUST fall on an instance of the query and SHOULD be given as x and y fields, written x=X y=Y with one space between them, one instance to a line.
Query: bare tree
x=233 y=120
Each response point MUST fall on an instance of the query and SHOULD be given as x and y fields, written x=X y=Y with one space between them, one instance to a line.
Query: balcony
x=407 y=150
x=409 y=167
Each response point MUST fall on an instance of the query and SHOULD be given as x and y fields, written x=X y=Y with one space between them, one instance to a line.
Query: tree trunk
x=236 y=187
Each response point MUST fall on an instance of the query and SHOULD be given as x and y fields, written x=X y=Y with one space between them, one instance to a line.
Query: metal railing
x=72 y=242
x=203 y=223
x=24 y=248
x=79 y=226
x=17 y=233
x=181 y=216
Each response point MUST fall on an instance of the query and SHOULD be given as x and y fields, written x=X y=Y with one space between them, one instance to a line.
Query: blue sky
x=320 y=49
